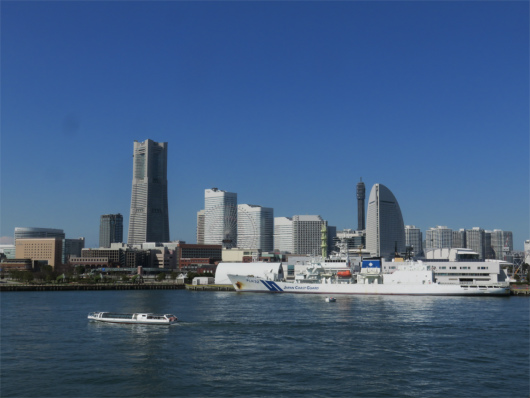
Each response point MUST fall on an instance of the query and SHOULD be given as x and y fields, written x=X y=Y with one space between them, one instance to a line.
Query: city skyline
x=269 y=100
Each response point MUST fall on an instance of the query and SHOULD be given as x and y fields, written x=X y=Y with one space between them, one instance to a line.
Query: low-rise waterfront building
x=22 y=264
x=9 y=251
x=42 y=249
x=193 y=251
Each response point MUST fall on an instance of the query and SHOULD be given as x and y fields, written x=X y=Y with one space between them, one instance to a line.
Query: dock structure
x=517 y=290
x=225 y=288
x=94 y=286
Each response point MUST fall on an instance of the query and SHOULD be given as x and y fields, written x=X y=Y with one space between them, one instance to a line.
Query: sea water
x=229 y=344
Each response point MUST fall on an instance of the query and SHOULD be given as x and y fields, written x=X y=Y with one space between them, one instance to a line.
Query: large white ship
x=409 y=278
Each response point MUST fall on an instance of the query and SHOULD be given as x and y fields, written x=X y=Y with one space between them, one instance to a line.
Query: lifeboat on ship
x=344 y=274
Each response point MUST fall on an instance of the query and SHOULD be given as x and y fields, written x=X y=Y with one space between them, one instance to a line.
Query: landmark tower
x=149 y=217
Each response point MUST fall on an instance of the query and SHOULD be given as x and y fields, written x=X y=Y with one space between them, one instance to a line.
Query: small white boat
x=140 y=318
x=330 y=299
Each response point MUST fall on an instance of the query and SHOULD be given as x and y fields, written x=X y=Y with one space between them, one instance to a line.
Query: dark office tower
x=149 y=220
x=110 y=229
x=360 y=206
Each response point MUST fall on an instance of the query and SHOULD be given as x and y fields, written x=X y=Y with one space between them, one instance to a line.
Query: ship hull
x=259 y=285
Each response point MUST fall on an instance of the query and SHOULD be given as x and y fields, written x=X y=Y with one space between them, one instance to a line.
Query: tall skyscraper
x=220 y=218
x=255 y=225
x=385 y=231
x=110 y=229
x=200 y=227
x=360 y=206
x=149 y=219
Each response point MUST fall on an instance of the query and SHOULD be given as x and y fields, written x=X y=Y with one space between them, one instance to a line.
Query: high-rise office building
x=307 y=234
x=283 y=234
x=200 y=227
x=110 y=229
x=220 y=218
x=255 y=227
x=414 y=239
x=360 y=205
x=149 y=219
x=385 y=231
x=438 y=238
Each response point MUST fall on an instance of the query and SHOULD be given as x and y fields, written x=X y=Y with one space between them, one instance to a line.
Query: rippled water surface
x=253 y=345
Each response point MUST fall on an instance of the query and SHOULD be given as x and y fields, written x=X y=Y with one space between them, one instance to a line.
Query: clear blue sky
x=286 y=103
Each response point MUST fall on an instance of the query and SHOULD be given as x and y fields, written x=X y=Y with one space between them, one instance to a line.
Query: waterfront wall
x=95 y=286
x=515 y=290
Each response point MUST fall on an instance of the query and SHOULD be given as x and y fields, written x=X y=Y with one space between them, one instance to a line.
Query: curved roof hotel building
x=385 y=230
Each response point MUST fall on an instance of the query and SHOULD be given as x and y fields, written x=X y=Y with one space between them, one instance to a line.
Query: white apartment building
x=283 y=234
x=459 y=239
x=255 y=226
x=414 y=239
x=220 y=218
x=307 y=234
x=527 y=251
x=501 y=243
x=476 y=241
x=439 y=237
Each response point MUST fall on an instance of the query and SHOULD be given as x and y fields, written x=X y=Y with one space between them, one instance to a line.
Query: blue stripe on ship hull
x=273 y=287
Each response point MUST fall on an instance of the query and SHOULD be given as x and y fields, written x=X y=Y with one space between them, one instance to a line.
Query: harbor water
x=229 y=344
